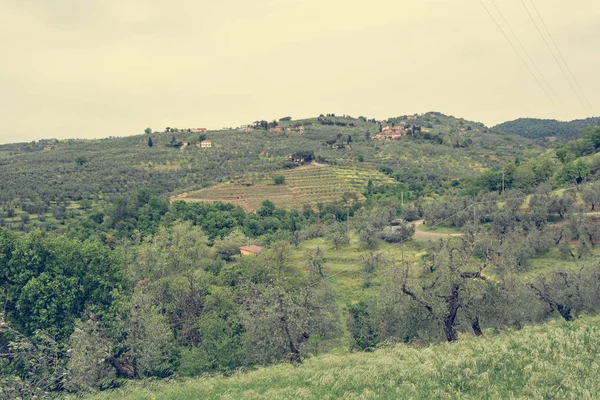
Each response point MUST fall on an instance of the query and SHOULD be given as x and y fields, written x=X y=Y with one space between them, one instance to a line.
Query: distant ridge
x=533 y=128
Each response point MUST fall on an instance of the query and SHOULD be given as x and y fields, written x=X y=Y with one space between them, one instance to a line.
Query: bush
x=404 y=232
x=279 y=179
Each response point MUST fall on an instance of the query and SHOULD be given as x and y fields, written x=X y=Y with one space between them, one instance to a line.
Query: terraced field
x=307 y=185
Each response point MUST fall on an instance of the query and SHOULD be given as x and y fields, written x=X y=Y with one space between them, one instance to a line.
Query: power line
x=554 y=55
x=560 y=54
x=527 y=54
x=518 y=53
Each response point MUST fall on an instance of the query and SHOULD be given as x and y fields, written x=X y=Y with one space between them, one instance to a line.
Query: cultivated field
x=306 y=185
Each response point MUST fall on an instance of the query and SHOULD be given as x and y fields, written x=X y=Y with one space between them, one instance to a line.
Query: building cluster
x=391 y=133
x=298 y=129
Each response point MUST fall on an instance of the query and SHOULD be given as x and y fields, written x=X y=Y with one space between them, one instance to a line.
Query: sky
x=99 y=68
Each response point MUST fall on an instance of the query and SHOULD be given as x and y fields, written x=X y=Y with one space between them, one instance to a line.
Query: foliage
x=48 y=283
x=539 y=128
x=510 y=365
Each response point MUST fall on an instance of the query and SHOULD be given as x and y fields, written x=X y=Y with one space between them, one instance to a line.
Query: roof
x=252 y=248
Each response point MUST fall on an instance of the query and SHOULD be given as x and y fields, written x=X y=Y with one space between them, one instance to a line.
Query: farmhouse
x=251 y=250
x=276 y=129
x=206 y=144
x=299 y=129
x=391 y=134
x=199 y=130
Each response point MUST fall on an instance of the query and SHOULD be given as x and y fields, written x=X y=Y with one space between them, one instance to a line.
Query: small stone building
x=251 y=250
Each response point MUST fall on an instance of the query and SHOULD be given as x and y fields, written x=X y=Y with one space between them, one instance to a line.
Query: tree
x=150 y=143
x=80 y=160
x=230 y=245
x=279 y=179
x=573 y=172
x=25 y=218
x=148 y=131
x=370 y=187
x=90 y=358
x=30 y=367
x=280 y=323
x=49 y=283
x=449 y=285
x=561 y=205
x=315 y=261
x=591 y=194
x=152 y=347
x=562 y=292
x=172 y=250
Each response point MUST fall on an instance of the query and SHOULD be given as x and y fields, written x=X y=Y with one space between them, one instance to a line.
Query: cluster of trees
x=469 y=284
x=541 y=128
x=84 y=316
x=563 y=164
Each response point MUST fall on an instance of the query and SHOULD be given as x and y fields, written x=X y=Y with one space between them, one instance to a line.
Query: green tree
x=148 y=131
x=230 y=245
x=152 y=347
x=150 y=143
x=447 y=287
x=80 y=160
x=573 y=172
x=48 y=283
x=591 y=194
x=279 y=179
x=90 y=363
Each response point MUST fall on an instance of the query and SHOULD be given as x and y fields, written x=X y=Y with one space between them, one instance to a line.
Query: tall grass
x=557 y=360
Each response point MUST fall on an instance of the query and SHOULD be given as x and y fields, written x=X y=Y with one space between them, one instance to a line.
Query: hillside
x=47 y=184
x=308 y=185
x=555 y=360
x=549 y=129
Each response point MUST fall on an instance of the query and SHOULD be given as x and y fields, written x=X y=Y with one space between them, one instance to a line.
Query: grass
x=441 y=228
x=557 y=360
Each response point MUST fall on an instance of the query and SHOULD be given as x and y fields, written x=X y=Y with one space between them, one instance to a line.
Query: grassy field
x=557 y=360
x=306 y=185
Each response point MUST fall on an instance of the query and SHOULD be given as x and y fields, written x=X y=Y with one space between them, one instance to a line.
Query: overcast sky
x=98 y=68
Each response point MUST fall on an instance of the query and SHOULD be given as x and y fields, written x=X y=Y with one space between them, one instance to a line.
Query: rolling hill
x=52 y=180
x=552 y=129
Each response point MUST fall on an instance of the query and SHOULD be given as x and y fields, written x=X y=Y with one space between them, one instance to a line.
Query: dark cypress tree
x=150 y=142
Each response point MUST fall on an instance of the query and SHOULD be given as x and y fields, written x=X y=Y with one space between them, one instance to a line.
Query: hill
x=549 y=129
x=308 y=185
x=556 y=360
x=49 y=184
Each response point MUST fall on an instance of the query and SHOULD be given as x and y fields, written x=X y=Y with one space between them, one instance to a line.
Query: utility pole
x=402 y=198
